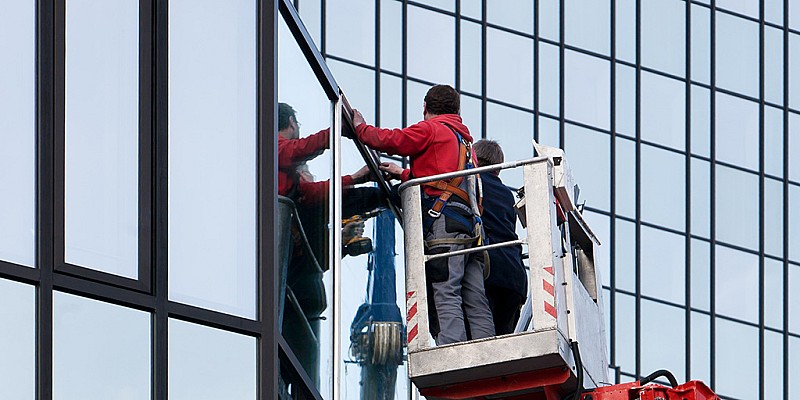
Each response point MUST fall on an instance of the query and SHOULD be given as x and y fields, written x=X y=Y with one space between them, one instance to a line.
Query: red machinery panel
x=692 y=390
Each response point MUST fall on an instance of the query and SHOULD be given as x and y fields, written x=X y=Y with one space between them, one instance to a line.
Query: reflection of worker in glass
x=506 y=286
x=440 y=144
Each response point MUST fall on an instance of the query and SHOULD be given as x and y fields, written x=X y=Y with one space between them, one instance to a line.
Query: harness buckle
x=433 y=213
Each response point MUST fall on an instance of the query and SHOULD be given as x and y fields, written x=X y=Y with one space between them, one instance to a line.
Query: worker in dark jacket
x=506 y=287
x=440 y=144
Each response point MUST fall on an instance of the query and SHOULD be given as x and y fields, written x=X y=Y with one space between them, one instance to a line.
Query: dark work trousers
x=505 y=304
x=455 y=289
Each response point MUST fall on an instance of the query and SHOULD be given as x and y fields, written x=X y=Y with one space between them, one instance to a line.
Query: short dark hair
x=488 y=152
x=284 y=112
x=442 y=99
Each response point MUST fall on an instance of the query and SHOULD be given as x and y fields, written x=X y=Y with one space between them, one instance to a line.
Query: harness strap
x=451 y=187
x=438 y=242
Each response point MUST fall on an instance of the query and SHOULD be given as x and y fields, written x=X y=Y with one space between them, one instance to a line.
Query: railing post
x=416 y=294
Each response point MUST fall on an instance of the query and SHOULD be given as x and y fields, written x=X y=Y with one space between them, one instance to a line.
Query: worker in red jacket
x=439 y=144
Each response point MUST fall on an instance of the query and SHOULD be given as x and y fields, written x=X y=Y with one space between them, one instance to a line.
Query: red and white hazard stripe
x=549 y=291
x=411 y=316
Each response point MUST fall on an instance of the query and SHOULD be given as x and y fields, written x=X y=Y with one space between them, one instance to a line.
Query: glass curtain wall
x=680 y=122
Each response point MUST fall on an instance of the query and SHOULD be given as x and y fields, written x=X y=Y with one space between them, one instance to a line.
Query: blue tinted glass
x=701 y=197
x=350 y=29
x=736 y=284
x=663 y=348
x=773 y=365
x=358 y=85
x=415 y=101
x=773 y=217
x=663 y=180
x=624 y=336
x=773 y=12
x=701 y=121
x=794 y=19
x=512 y=14
x=431 y=53
x=311 y=16
x=513 y=129
x=18 y=336
x=773 y=65
x=736 y=123
x=549 y=70
x=737 y=54
x=736 y=359
x=773 y=293
x=391 y=39
x=701 y=44
x=549 y=131
x=447 y=5
x=599 y=224
x=701 y=274
x=587 y=89
x=626 y=30
x=100 y=350
x=625 y=185
x=663 y=269
x=391 y=111
x=794 y=68
x=794 y=147
x=208 y=363
x=101 y=115
x=625 y=100
x=746 y=7
x=625 y=255
x=794 y=297
x=17 y=132
x=471 y=69
x=736 y=200
x=549 y=19
x=470 y=8
x=471 y=115
x=587 y=25
x=663 y=27
x=588 y=153
x=701 y=342
x=663 y=110
x=773 y=141
x=509 y=67
x=794 y=222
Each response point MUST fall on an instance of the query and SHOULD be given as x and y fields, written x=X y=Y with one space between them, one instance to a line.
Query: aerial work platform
x=564 y=308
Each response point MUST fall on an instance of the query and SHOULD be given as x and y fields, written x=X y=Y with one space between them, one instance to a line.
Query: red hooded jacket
x=431 y=146
x=292 y=152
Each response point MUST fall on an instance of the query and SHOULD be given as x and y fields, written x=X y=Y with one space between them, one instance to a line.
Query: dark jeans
x=505 y=305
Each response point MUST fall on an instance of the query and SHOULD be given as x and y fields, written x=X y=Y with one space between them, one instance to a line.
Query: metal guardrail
x=471 y=171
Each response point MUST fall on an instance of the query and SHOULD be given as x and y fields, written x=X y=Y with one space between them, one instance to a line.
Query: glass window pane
x=358 y=85
x=350 y=29
x=701 y=274
x=663 y=268
x=701 y=121
x=431 y=38
x=601 y=226
x=736 y=122
x=471 y=8
x=625 y=185
x=588 y=154
x=701 y=342
x=18 y=336
x=18 y=132
x=794 y=298
x=626 y=30
x=701 y=44
x=773 y=365
x=794 y=63
x=794 y=359
x=311 y=16
x=512 y=14
x=773 y=141
x=391 y=111
x=736 y=359
x=625 y=337
x=625 y=100
x=509 y=67
x=100 y=350
x=588 y=25
x=794 y=147
x=471 y=69
x=513 y=130
x=737 y=54
x=101 y=208
x=773 y=293
x=391 y=41
x=549 y=79
x=212 y=154
x=794 y=223
x=587 y=89
x=663 y=348
x=208 y=363
x=736 y=284
x=794 y=19
x=625 y=255
x=663 y=187
x=773 y=11
x=773 y=65
x=549 y=131
x=471 y=115
x=773 y=217
x=746 y=7
x=663 y=110
x=415 y=100
x=549 y=19
x=701 y=198
x=736 y=200
x=663 y=27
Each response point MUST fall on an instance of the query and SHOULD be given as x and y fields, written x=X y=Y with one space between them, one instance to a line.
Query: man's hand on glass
x=363 y=175
x=395 y=171
x=358 y=119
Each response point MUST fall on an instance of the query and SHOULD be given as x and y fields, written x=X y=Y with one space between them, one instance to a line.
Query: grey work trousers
x=456 y=297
